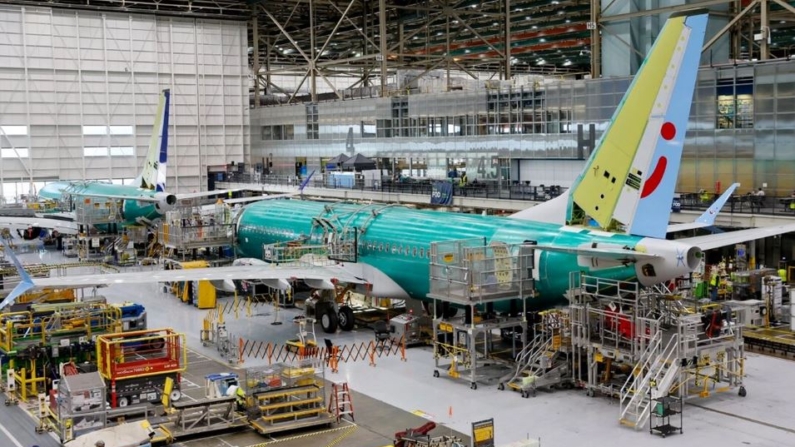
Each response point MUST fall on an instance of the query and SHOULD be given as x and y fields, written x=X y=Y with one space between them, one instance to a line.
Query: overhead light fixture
x=542 y=40
x=535 y=26
x=567 y=63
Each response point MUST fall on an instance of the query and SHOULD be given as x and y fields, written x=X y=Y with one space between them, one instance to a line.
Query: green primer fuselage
x=277 y=221
x=132 y=209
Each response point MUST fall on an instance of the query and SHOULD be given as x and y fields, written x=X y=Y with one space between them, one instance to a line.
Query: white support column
x=174 y=95
x=138 y=161
x=199 y=81
x=80 y=90
x=27 y=94
x=55 y=91
x=107 y=91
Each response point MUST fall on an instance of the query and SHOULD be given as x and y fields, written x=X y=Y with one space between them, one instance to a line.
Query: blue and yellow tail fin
x=153 y=176
x=629 y=180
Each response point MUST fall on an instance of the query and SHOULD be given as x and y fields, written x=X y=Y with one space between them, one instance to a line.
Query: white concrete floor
x=561 y=418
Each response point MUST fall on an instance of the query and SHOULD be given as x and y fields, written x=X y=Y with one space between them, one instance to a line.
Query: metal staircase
x=528 y=357
x=654 y=376
x=543 y=362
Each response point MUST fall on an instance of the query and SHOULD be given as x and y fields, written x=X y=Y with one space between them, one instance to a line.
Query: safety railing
x=237 y=349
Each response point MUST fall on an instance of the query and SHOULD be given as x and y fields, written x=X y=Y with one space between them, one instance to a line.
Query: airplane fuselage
x=396 y=241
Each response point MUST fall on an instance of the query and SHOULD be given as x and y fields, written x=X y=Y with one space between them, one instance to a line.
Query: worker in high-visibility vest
x=782 y=273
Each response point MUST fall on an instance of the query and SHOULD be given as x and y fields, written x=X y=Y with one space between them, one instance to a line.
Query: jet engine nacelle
x=165 y=202
x=674 y=259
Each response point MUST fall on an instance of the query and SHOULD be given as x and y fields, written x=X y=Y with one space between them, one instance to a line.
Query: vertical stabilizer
x=153 y=175
x=630 y=177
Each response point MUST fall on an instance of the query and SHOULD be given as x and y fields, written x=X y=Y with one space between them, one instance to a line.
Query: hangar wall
x=78 y=92
x=741 y=129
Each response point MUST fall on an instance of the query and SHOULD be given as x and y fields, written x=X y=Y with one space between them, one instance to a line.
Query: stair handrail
x=668 y=356
x=521 y=358
x=638 y=381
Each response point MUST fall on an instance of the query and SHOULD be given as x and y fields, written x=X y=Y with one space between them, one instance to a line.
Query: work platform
x=640 y=345
x=470 y=272
x=191 y=227
x=476 y=275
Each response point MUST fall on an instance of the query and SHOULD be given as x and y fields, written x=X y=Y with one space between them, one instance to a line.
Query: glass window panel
x=765 y=105
x=785 y=121
x=785 y=89
x=705 y=174
x=95 y=151
x=123 y=151
x=121 y=130
x=14 y=130
x=95 y=130
x=17 y=152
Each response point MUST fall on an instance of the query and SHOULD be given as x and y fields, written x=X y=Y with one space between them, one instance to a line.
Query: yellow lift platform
x=201 y=294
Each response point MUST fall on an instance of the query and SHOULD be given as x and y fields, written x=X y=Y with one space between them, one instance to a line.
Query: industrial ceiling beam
x=729 y=25
x=656 y=11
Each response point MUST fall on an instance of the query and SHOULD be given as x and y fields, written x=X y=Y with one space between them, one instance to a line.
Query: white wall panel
x=62 y=69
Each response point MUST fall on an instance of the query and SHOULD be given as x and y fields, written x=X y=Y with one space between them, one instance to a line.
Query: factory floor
x=395 y=394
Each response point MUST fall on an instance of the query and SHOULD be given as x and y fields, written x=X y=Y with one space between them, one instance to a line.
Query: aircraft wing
x=736 y=237
x=618 y=254
x=22 y=223
x=261 y=272
x=707 y=219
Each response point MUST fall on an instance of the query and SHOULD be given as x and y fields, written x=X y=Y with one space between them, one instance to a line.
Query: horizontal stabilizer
x=711 y=241
x=215 y=192
x=275 y=196
x=707 y=219
x=618 y=254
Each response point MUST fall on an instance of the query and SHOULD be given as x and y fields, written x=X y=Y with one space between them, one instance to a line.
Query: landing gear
x=346 y=319
x=329 y=321
x=123 y=402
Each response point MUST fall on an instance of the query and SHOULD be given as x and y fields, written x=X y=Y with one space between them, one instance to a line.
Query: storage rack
x=287 y=397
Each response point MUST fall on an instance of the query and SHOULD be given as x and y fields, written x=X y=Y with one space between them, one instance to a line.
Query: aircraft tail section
x=629 y=179
x=153 y=175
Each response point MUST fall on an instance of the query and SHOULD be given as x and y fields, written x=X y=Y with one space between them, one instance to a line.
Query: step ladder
x=340 y=403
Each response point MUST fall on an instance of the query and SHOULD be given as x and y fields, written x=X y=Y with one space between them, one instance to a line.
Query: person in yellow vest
x=464 y=180
x=782 y=273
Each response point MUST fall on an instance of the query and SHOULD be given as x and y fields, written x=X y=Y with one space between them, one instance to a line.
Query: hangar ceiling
x=318 y=39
